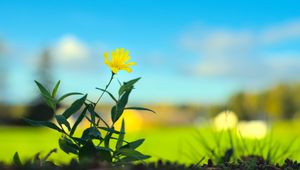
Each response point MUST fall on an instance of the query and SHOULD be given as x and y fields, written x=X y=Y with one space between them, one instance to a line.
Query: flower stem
x=111 y=78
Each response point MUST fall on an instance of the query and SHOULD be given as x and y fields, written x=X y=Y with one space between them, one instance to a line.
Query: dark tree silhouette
x=39 y=110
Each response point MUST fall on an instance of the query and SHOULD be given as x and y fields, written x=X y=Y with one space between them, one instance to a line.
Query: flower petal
x=106 y=60
x=128 y=69
x=118 y=60
x=130 y=64
x=126 y=56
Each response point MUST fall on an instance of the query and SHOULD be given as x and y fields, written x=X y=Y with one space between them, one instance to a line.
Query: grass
x=171 y=143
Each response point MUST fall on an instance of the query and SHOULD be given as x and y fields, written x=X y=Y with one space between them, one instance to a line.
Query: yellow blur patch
x=254 y=129
x=133 y=121
x=225 y=120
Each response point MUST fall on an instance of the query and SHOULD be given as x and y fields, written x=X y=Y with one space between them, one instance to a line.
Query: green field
x=170 y=143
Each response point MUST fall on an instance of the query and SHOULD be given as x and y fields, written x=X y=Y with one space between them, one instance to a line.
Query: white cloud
x=72 y=53
x=69 y=49
x=287 y=31
x=241 y=54
x=284 y=64
x=219 y=41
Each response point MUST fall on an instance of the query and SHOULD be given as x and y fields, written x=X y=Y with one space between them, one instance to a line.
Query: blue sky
x=187 y=51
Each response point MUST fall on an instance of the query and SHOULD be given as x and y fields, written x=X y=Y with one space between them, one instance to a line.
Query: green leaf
x=67 y=145
x=133 y=145
x=92 y=122
x=50 y=103
x=36 y=159
x=107 y=139
x=121 y=136
x=42 y=89
x=46 y=95
x=92 y=111
x=43 y=123
x=91 y=133
x=67 y=95
x=87 y=151
x=114 y=113
x=78 y=140
x=62 y=121
x=93 y=114
x=139 y=108
x=17 y=160
x=104 y=148
x=109 y=130
x=55 y=89
x=104 y=154
x=118 y=109
x=74 y=107
x=127 y=86
x=130 y=153
x=124 y=100
x=127 y=159
x=78 y=120
x=111 y=95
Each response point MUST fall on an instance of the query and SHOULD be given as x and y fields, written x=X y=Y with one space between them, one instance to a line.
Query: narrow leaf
x=107 y=139
x=111 y=95
x=50 y=103
x=133 y=154
x=124 y=100
x=54 y=92
x=78 y=140
x=79 y=119
x=121 y=136
x=140 y=108
x=17 y=160
x=92 y=111
x=127 y=86
x=93 y=114
x=128 y=159
x=46 y=95
x=91 y=133
x=109 y=130
x=42 y=89
x=67 y=95
x=118 y=109
x=74 y=107
x=114 y=113
x=133 y=145
x=62 y=121
x=67 y=145
x=43 y=123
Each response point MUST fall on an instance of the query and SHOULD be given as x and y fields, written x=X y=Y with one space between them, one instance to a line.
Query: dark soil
x=245 y=163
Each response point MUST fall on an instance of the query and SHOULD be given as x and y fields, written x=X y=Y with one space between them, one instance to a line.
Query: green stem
x=111 y=78
x=95 y=104
x=100 y=118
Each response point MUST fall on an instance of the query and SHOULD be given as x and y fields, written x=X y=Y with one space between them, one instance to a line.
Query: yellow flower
x=119 y=60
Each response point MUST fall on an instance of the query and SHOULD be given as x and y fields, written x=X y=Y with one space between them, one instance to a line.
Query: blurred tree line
x=280 y=102
x=37 y=105
x=10 y=113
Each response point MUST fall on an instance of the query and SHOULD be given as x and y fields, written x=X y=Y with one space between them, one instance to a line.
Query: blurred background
x=196 y=59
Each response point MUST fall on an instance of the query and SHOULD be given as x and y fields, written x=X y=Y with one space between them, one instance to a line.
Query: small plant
x=95 y=141
x=36 y=163
x=228 y=146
